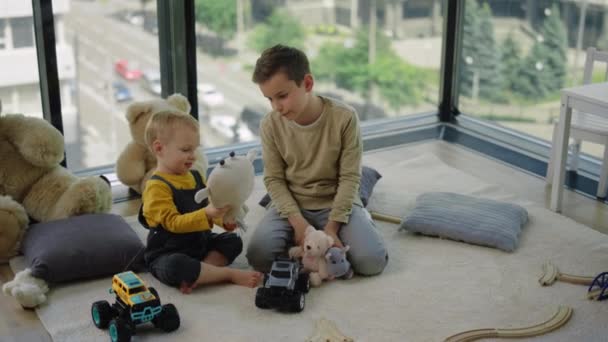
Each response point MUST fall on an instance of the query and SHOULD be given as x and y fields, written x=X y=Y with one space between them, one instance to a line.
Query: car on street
x=209 y=95
x=252 y=118
x=121 y=92
x=151 y=82
x=231 y=128
x=128 y=72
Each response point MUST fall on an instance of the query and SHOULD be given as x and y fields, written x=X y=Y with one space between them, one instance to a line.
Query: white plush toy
x=313 y=254
x=27 y=290
x=231 y=183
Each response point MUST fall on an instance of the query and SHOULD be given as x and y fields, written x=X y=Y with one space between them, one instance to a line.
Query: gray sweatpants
x=273 y=236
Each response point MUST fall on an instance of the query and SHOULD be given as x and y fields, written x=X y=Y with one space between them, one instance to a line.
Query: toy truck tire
x=119 y=331
x=168 y=319
x=296 y=302
x=101 y=312
x=303 y=282
x=260 y=299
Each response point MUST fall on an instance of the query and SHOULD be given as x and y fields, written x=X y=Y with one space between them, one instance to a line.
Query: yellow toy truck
x=135 y=304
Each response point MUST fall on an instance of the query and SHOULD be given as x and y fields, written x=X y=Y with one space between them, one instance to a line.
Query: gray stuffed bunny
x=337 y=264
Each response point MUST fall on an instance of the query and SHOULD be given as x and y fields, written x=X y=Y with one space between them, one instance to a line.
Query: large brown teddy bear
x=34 y=184
x=136 y=162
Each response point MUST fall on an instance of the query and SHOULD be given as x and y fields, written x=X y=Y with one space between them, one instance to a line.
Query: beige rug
x=431 y=288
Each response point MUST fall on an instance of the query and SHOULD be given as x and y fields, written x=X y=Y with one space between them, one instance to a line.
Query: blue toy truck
x=135 y=304
x=284 y=287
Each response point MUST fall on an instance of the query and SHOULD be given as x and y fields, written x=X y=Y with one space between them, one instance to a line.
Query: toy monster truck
x=135 y=304
x=284 y=287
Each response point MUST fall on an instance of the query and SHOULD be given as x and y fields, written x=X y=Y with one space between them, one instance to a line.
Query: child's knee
x=176 y=269
x=259 y=257
x=233 y=250
x=369 y=265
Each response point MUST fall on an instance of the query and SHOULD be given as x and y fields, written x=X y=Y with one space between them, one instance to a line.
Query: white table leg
x=561 y=155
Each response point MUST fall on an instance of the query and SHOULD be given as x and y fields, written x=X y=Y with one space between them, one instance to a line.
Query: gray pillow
x=470 y=219
x=369 y=178
x=81 y=247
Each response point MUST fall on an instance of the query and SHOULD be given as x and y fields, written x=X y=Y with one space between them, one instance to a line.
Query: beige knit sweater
x=316 y=166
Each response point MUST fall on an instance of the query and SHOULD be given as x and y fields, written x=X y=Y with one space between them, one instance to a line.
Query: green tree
x=555 y=39
x=491 y=78
x=217 y=16
x=398 y=82
x=471 y=36
x=511 y=62
x=543 y=71
x=533 y=81
x=481 y=56
x=280 y=28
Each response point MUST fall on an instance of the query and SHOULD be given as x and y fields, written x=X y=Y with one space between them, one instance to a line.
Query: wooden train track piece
x=561 y=317
x=386 y=218
x=326 y=331
x=551 y=274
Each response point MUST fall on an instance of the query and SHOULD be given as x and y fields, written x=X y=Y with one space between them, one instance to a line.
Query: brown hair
x=161 y=125
x=281 y=58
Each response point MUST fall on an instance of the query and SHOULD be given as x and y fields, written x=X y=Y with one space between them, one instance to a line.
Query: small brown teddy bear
x=34 y=184
x=136 y=162
x=316 y=244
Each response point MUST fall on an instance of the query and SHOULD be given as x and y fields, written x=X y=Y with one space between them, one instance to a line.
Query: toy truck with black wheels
x=135 y=304
x=284 y=287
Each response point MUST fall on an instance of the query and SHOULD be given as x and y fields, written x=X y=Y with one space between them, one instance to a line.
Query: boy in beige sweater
x=312 y=150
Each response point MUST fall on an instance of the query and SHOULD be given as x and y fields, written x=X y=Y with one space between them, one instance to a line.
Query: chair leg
x=575 y=149
x=601 y=187
x=550 y=165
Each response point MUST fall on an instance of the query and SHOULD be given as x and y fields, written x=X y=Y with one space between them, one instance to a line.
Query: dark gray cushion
x=369 y=178
x=465 y=218
x=81 y=247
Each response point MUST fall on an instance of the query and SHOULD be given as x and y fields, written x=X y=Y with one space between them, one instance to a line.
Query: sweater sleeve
x=274 y=173
x=159 y=209
x=349 y=175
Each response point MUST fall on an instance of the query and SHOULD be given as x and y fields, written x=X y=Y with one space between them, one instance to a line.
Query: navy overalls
x=175 y=258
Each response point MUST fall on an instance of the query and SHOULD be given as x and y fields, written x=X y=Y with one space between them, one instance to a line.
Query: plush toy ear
x=180 y=102
x=201 y=195
x=136 y=111
x=345 y=249
x=309 y=229
x=328 y=255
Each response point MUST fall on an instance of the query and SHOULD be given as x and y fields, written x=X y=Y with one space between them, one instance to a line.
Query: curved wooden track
x=561 y=317
x=551 y=274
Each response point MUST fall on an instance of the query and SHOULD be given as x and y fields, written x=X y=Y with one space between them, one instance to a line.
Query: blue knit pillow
x=465 y=218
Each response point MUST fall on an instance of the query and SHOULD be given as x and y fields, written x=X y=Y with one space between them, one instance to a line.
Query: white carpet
x=431 y=288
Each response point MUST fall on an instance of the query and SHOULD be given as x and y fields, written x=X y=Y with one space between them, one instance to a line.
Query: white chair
x=587 y=127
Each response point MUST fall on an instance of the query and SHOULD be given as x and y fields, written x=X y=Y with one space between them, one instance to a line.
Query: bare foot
x=186 y=288
x=245 y=278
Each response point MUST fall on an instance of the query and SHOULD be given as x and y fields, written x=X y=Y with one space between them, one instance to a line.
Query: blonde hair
x=161 y=125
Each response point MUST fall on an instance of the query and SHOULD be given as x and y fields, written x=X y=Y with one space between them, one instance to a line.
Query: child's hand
x=215 y=213
x=230 y=226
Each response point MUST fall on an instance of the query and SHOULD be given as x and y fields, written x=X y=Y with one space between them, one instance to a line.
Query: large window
x=398 y=76
x=19 y=85
x=107 y=58
x=516 y=56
